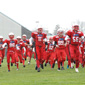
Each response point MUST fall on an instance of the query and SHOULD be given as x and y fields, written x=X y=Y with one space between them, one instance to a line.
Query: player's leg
x=59 y=59
x=68 y=56
x=3 y=54
x=29 y=56
x=37 y=51
x=63 y=58
x=0 y=57
x=8 y=61
x=72 y=54
x=46 y=58
x=77 y=59
x=17 y=62
x=42 y=56
x=12 y=58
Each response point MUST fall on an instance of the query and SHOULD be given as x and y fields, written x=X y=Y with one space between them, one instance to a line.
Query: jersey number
x=60 y=42
x=75 y=39
x=39 y=38
x=12 y=44
x=50 y=47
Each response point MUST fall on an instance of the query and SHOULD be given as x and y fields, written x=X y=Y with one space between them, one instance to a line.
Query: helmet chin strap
x=60 y=35
x=75 y=31
x=39 y=32
x=11 y=38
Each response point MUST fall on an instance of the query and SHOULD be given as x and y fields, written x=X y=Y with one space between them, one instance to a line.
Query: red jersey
x=19 y=47
x=11 y=45
x=26 y=42
x=60 y=41
x=38 y=38
x=74 y=36
x=50 y=47
x=83 y=45
x=83 y=48
x=1 y=43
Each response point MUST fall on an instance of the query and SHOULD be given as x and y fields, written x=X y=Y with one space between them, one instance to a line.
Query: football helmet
x=24 y=36
x=51 y=39
x=40 y=30
x=1 y=38
x=60 y=31
x=18 y=38
x=11 y=35
x=75 y=27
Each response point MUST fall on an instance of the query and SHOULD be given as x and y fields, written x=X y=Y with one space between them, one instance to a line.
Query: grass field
x=47 y=76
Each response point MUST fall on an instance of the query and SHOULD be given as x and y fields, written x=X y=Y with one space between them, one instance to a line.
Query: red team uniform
x=61 y=53
x=2 y=50
x=10 y=51
x=11 y=45
x=81 y=53
x=50 y=53
x=26 y=47
x=26 y=42
x=39 y=45
x=74 y=46
x=18 y=53
x=68 y=52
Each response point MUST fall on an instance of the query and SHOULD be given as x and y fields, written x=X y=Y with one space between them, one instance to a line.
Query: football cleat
x=38 y=69
x=0 y=65
x=17 y=69
x=8 y=70
x=53 y=65
x=58 y=69
x=28 y=62
x=11 y=64
x=45 y=64
x=76 y=69
x=62 y=68
x=67 y=66
x=24 y=66
x=2 y=61
x=42 y=66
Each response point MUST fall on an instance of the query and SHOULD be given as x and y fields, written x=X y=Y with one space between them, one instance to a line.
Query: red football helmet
x=18 y=38
x=24 y=36
x=51 y=39
x=75 y=27
x=11 y=35
x=60 y=31
x=40 y=30
x=1 y=38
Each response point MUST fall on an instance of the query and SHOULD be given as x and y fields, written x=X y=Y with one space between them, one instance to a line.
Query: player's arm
x=46 y=46
x=5 y=44
x=81 y=36
x=68 y=33
x=66 y=38
x=31 y=42
x=23 y=47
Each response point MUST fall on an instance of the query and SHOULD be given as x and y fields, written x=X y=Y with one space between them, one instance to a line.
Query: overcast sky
x=47 y=12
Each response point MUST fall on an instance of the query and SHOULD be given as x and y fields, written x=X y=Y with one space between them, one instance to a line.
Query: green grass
x=48 y=76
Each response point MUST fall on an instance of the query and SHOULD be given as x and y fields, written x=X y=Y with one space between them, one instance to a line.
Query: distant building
x=8 y=25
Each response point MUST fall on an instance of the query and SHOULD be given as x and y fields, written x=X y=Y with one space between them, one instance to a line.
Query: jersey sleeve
x=5 y=41
x=33 y=34
x=54 y=38
x=28 y=41
x=22 y=44
x=81 y=34
x=68 y=33
x=45 y=35
x=15 y=41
